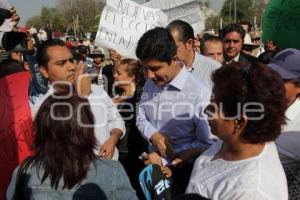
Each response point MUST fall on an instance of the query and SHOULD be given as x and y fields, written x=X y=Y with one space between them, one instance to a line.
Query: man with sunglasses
x=232 y=36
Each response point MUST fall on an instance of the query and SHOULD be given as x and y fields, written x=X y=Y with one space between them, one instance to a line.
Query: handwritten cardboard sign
x=123 y=22
x=15 y=125
x=281 y=23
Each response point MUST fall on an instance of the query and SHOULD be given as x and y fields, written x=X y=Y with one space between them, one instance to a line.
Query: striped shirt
x=203 y=67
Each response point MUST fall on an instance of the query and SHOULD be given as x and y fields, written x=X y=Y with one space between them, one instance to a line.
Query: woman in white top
x=246 y=113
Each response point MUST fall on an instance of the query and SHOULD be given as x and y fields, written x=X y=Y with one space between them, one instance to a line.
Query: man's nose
x=231 y=44
x=150 y=74
x=215 y=57
x=71 y=65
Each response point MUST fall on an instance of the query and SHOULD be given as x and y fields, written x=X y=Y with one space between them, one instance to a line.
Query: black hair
x=42 y=54
x=184 y=29
x=248 y=24
x=206 y=38
x=232 y=28
x=266 y=56
x=156 y=44
x=236 y=84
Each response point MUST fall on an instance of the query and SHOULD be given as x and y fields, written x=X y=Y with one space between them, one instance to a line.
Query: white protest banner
x=166 y=4
x=123 y=22
x=5 y=4
x=187 y=10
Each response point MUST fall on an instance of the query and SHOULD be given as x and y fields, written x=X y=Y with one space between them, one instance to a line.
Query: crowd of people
x=193 y=117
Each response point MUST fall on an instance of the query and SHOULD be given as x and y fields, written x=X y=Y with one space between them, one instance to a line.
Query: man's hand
x=117 y=99
x=115 y=56
x=166 y=171
x=108 y=148
x=163 y=144
x=153 y=158
x=82 y=81
x=184 y=156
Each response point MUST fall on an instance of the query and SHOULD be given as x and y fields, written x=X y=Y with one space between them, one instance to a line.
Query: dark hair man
x=232 y=36
x=200 y=66
x=169 y=114
x=58 y=66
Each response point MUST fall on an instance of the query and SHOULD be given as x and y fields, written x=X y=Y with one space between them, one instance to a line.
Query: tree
x=246 y=10
x=48 y=15
x=81 y=11
x=34 y=22
x=212 y=22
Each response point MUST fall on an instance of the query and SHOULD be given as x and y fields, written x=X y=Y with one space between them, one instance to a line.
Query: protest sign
x=186 y=10
x=281 y=23
x=166 y=4
x=15 y=125
x=123 y=22
x=5 y=4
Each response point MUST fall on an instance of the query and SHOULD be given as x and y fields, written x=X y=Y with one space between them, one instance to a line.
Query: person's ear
x=189 y=43
x=240 y=124
x=44 y=72
x=132 y=78
x=175 y=58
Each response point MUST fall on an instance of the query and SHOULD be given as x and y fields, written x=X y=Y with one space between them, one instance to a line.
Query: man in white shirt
x=286 y=63
x=200 y=66
x=58 y=66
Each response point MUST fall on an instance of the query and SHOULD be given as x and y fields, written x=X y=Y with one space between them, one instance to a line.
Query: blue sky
x=29 y=8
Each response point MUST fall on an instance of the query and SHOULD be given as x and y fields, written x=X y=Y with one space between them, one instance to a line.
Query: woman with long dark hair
x=64 y=165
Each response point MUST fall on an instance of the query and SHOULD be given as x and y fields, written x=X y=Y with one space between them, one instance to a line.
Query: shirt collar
x=179 y=80
x=235 y=59
x=293 y=110
x=191 y=69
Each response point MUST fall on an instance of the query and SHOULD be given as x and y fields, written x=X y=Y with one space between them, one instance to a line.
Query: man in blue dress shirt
x=171 y=111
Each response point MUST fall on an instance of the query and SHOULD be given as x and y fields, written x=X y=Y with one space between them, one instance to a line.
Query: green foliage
x=244 y=10
x=97 y=19
x=48 y=15
x=212 y=22
x=35 y=22
x=84 y=14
